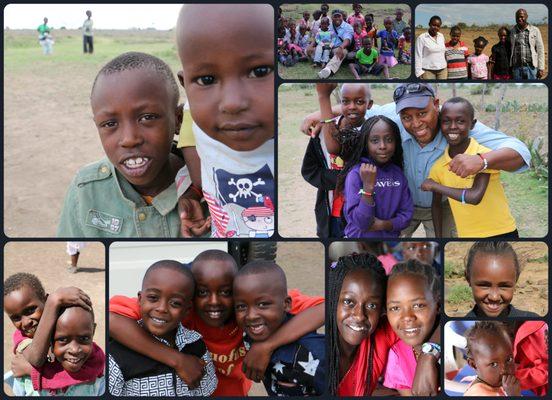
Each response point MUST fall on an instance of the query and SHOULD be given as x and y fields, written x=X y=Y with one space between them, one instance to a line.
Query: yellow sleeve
x=186 y=135
x=434 y=171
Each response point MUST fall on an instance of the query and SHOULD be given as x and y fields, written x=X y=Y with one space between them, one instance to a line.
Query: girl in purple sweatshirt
x=378 y=203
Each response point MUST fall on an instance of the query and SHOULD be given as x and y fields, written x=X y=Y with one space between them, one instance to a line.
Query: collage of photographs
x=285 y=199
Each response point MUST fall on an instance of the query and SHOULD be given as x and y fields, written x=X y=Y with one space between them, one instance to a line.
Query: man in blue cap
x=416 y=111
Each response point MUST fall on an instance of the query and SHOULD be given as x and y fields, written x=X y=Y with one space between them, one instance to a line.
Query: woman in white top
x=430 y=62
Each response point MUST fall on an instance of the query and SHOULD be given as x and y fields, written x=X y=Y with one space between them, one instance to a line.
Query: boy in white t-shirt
x=230 y=114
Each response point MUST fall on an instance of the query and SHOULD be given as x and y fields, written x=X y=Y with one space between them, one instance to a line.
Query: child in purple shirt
x=377 y=199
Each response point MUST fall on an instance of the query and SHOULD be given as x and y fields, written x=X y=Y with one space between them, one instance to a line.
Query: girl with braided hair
x=377 y=199
x=359 y=336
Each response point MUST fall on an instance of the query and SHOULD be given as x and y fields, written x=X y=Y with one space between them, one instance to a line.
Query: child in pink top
x=478 y=62
x=358 y=35
x=413 y=293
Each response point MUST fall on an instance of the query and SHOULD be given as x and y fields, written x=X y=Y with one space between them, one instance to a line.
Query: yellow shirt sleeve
x=186 y=135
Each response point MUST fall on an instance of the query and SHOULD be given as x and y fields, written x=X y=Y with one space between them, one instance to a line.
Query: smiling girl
x=359 y=337
x=413 y=293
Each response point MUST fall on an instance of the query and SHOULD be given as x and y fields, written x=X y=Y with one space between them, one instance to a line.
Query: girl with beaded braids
x=359 y=336
x=377 y=199
x=413 y=298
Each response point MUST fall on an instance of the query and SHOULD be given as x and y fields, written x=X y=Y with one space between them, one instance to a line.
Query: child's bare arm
x=258 y=357
x=62 y=297
x=125 y=330
x=472 y=195
x=426 y=378
x=194 y=164
x=329 y=130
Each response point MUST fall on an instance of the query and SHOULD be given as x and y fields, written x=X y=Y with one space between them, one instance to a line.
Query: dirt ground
x=532 y=288
x=48 y=261
x=303 y=263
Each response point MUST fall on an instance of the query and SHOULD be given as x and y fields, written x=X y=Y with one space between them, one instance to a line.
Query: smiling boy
x=165 y=299
x=131 y=193
x=262 y=305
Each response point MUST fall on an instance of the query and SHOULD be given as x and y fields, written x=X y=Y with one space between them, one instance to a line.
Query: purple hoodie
x=392 y=201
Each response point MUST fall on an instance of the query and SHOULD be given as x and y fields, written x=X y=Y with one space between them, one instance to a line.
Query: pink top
x=401 y=367
x=478 y=65
x=388 y=261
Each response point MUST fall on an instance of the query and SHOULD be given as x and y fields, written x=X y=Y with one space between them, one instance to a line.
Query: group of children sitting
x=192 y=323
x=462 y=64
x=53 y=349
x=295 y=38
x=362 y=189
x=145 y=187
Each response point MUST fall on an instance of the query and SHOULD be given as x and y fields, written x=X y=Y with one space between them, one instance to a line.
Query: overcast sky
x=105 y=16
x=479 y=14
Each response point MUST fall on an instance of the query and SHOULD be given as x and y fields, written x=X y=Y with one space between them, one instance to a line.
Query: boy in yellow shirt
x=478 y=202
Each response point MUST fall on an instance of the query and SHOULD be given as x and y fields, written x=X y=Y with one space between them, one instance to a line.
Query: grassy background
x=531 y=290
x=304 y=70
x=527 y=194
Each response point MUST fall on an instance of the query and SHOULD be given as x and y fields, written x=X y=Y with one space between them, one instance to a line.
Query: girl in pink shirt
x=478 y=62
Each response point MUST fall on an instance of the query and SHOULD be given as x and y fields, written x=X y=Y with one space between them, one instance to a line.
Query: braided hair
x=425 y=271
x=354 y=145
x=336 y=276
x=503 y=249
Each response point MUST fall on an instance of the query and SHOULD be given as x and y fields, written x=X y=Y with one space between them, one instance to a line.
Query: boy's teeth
x=159 y=321
x=357 y=328
x=453 y=137
x=214 y=314
x=135 y=162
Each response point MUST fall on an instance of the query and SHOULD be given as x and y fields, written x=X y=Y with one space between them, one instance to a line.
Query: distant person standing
x=527 y=58
x=44 y=38
x=88 y=34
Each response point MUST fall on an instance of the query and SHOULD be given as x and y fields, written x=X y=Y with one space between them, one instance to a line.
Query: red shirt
x=354 y=381
x=531 y=357
x=225 y=344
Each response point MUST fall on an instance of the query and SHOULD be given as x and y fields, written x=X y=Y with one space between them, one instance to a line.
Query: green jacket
x=102 y=203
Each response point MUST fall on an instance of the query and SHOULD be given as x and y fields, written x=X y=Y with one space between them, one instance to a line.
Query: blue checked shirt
x=419 y=160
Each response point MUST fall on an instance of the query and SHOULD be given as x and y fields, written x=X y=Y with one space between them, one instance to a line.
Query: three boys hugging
x=53 y=349
x=245 y=319
x=225 y=131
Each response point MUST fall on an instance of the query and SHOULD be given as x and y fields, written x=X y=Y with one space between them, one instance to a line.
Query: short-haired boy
x=321 y=168
x=213 y=317
x=366 y=61
x=229 y=85
x=262 y=306
x=165 y=299
x=131 y=192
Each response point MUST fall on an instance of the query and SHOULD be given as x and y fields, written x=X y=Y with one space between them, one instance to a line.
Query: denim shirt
x=102 y=203
x=419 y=160
x=344 y=31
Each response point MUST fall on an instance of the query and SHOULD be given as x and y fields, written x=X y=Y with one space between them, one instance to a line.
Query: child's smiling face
x=213 y=300
x=367 y=45
x=358 y=308
x=261 y=303
x=73 y=338
x=502 y=35
x=478 y=46
x=324 y=24
x=381 y=142
x=411 y=308
x=492 y=358
x=228 y=74
x=24 y=309
x=492 y=279
x=456 y=123
x=354 y=103
x=455 y=37
x=137 y=116
x=165 y=300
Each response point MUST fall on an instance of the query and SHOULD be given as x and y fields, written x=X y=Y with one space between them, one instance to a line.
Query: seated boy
x=366 y=61
x=262 y=305
x=132 y=192
x=165 y=299
x=321 y=168
x=229 y=85
x=213 y=317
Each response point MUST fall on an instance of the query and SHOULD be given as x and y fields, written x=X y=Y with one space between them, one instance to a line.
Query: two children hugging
x=54 y=351
x=213 y=316
x=228 y=123
x=364 y=343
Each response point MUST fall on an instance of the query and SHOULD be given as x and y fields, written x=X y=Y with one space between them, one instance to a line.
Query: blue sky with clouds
x=479 y=14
